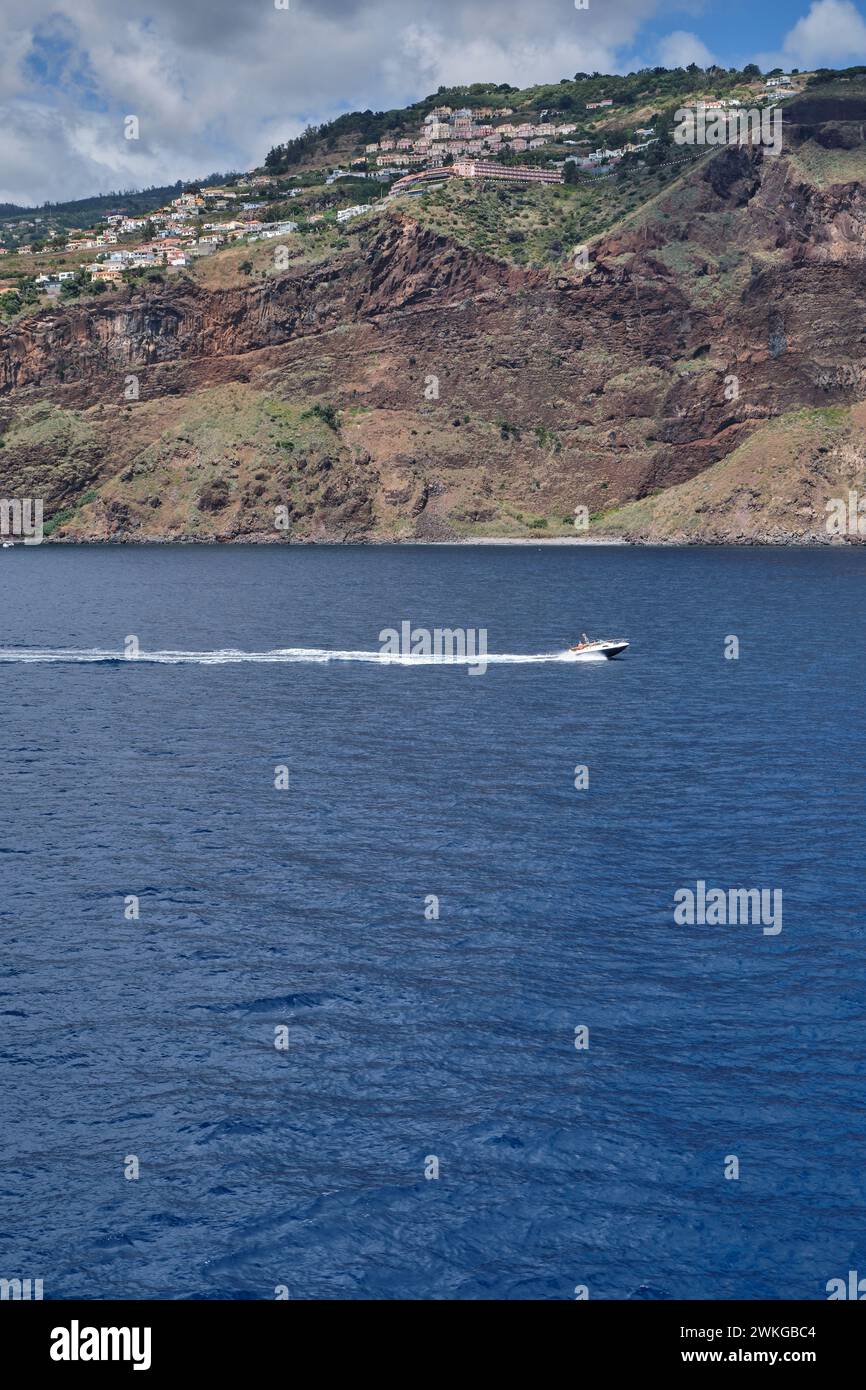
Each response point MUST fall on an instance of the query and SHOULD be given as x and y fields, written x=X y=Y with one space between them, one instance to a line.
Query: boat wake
x=280 y=656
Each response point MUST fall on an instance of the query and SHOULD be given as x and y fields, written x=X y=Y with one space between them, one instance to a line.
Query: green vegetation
x=57 y=520
x=82 y=283
x=86 y=212
x=508 y=431
x=824 y=77
x=326 y=413
x=648 y=92
x=539 y=225
x=50 y=428
x=13 y=301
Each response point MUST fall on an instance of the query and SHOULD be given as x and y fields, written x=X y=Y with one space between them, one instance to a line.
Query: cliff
x=415 y=388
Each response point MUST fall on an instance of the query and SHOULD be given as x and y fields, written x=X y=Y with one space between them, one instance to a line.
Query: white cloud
x=832 y=34
x=678 y=49
x=215 y=83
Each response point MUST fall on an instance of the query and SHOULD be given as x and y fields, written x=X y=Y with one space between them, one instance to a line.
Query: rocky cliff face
x=418 y=389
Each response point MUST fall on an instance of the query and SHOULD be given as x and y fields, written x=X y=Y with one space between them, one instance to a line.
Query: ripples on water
x=408 y=1037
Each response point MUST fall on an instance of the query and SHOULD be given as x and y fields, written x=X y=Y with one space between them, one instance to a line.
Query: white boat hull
x=602 y=649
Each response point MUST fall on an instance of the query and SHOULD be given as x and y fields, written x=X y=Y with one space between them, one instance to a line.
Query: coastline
x=810 y=541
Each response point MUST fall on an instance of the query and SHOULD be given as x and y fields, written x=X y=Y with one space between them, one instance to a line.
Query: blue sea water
x=411 y=1039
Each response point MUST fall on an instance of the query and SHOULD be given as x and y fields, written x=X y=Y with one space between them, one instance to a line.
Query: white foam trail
x=279 y=656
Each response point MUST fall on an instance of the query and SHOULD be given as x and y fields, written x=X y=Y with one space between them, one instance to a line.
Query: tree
x=659 y=153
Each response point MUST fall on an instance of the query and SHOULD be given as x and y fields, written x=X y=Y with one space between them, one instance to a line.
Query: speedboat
x=606 y=648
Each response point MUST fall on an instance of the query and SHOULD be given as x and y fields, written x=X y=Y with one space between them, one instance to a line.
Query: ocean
x=324 y=977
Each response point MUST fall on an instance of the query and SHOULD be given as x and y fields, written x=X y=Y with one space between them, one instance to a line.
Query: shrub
x=326 y=413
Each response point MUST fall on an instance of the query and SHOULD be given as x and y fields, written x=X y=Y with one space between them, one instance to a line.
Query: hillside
x=443 y=366
x=774 y=487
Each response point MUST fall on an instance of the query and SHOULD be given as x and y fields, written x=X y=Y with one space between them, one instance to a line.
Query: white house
x=345 y=213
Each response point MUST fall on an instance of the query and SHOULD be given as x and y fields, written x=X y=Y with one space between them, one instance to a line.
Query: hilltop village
x=480 y=144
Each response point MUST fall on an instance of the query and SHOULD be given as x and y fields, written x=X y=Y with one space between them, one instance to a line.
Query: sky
x=213 y=84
